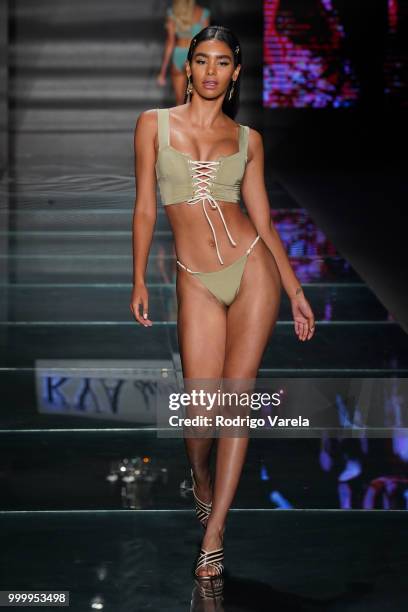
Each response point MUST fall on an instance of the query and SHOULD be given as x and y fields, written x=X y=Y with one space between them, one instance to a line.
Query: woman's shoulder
x=253 y=134
x=255 y=141
x=148 y=118
x=251 y=131
x=253 y=137
x=153 y=111
x=149 y=112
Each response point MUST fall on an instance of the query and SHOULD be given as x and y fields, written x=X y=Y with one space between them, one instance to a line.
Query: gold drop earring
x=189 y=89
x=231 y=90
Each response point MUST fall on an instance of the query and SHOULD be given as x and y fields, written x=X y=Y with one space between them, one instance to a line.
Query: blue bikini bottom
x=179 y=57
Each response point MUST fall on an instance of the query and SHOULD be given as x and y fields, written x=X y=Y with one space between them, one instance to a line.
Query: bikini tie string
x=203 y=174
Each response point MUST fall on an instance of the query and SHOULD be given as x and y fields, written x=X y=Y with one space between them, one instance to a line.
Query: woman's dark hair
x=218 y=32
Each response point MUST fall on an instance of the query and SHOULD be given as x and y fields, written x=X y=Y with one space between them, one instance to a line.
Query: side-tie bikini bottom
x=224 y=284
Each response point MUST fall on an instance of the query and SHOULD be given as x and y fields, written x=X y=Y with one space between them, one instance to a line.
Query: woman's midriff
x=193 y=238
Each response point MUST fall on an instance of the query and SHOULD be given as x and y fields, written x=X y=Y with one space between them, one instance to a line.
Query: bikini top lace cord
x=203 y=173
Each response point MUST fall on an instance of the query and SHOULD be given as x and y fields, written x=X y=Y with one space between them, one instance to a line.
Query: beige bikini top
x=183 y=179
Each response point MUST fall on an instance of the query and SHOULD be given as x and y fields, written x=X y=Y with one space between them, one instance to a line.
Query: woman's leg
x=179 y=81
x=201 y=328
x=179 y=85
x=250 y=322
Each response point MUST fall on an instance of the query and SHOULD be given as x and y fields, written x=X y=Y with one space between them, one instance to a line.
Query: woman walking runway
x=231 y=266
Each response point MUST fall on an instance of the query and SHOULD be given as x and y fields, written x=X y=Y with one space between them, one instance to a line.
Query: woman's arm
x=257 y=203
x=256 y=200
x=145 y=209
x=168 y=47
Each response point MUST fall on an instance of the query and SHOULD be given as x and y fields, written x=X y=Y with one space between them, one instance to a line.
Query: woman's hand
x=303 y=317
x=140 y=296
x=161 y=79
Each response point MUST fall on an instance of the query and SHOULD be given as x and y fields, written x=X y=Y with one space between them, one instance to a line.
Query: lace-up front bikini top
x=183 y=179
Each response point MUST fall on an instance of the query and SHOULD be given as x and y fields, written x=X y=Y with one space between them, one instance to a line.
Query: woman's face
x=213 y=62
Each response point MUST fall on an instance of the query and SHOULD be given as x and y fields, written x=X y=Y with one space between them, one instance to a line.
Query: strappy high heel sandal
x=213 y=558
x=202 y=509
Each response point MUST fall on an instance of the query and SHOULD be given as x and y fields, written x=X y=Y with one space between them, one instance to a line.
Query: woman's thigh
x=252 y=316
x=201 y=328
x=179 y=86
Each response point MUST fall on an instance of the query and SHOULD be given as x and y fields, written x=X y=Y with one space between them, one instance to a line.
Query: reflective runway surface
x=274 y=560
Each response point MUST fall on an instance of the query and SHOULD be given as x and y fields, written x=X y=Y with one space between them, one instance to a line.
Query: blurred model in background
x=184 y=20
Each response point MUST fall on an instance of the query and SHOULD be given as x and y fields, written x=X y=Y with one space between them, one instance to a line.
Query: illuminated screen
x=324 y=53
